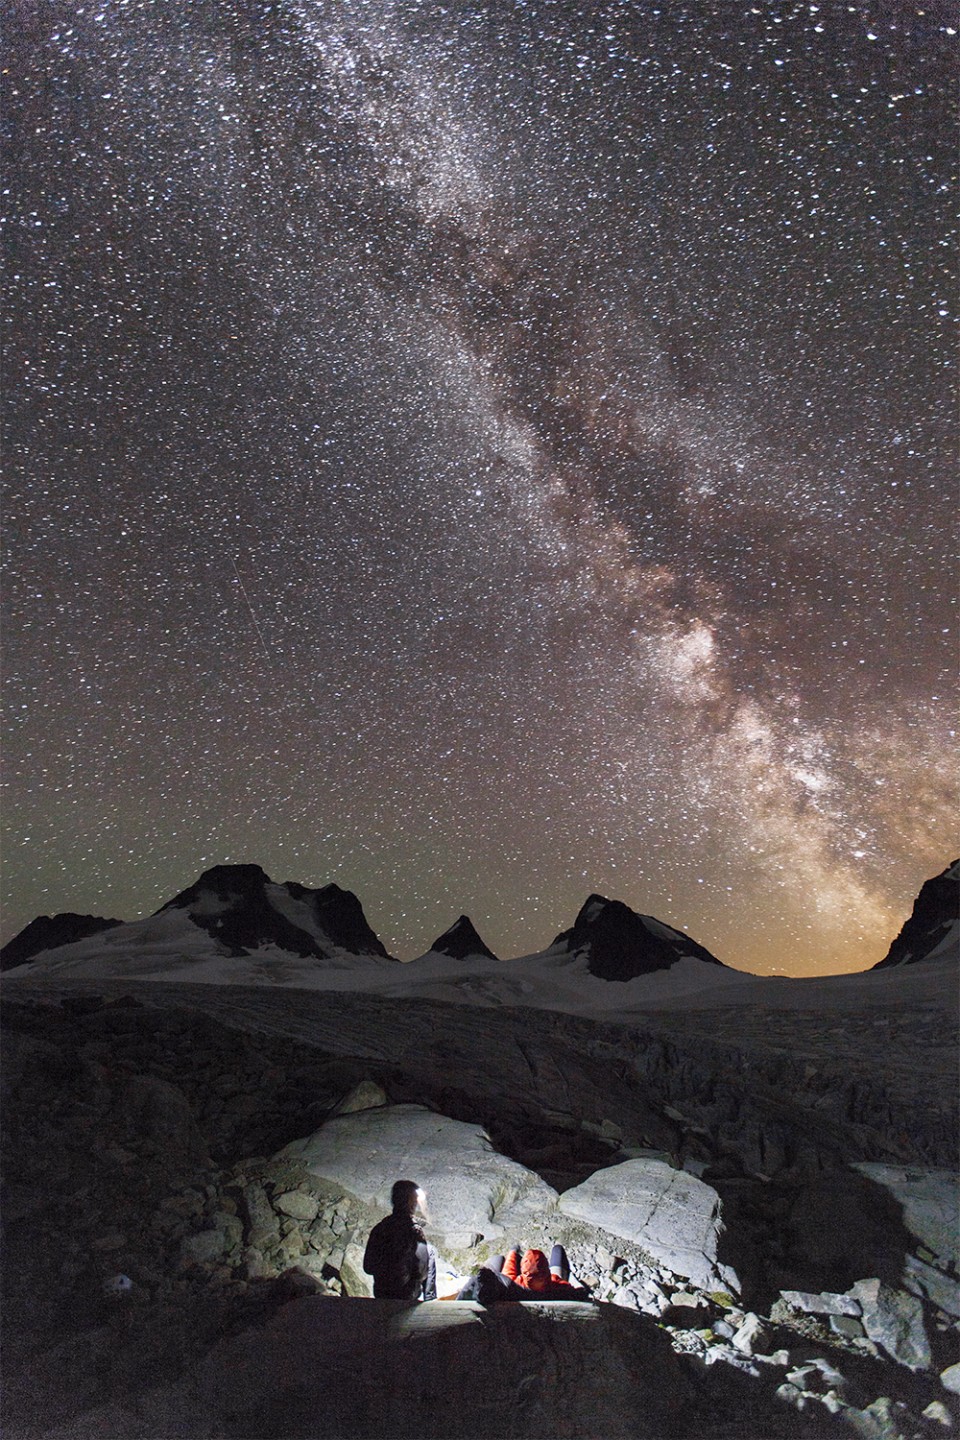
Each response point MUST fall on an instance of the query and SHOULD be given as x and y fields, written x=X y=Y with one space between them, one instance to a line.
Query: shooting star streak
x=243 y=590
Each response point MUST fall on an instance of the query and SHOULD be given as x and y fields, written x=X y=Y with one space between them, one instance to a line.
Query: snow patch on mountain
x=299 y=912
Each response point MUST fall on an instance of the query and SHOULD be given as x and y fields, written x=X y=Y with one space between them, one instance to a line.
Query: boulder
x=471 y=1189
x=669 y=1213
x=750 y=1334
x=297 y=1205
x=818 y=1377
x=847 y=1325
x=939 y=1414
x=894 y=1321
x=204 y=1248
x=254 y=1265
x=950 y=1379
x=368 y=1095
x=220 y=1239
x=230 y=1228
x=352 y=1276
x=822 y=1304
x=291 y=1247
x=257 y=1210
x=726 y=1355
x=884 y=1419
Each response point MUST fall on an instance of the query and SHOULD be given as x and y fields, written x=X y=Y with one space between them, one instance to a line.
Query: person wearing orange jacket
x=547 y=1280
x=519 y=1276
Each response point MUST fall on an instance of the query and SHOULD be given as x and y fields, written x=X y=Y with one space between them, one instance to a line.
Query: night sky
x=481 y=454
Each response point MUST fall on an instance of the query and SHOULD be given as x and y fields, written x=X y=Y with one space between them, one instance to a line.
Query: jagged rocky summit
x=461 y=942
x=231 y=920
x=620 y=944
x=932 y=929
x=235 y=920
x=245 y=912
x=48 y=932
x=242 y=908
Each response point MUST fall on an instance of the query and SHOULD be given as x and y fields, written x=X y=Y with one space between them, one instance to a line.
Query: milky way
x=483 y=454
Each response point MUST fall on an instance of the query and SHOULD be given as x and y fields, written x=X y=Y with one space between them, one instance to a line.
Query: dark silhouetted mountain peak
x=935 y=910
x=48 y=932
x=620 y=944
x=461 y=940
x=244 y=909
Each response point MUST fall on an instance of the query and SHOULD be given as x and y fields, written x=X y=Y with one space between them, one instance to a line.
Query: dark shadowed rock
x=620 y=944
x=48 y=932
x=935 y=910
x=107 y=1175
x=148 y=1108
x=240 y=906
x=461 y=940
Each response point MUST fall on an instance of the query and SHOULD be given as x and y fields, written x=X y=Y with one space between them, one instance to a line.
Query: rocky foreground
x=770 y=1248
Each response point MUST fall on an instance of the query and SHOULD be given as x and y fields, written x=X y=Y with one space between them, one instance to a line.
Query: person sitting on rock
x=403 y=1265
x=519 y=1276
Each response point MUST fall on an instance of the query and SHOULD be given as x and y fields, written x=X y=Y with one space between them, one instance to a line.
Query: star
x=482 y=455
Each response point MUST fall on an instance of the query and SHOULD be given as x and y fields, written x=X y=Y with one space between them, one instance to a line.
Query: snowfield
x=170 y=947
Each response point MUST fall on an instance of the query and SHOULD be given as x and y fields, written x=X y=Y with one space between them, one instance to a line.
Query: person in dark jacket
x=403 y=1265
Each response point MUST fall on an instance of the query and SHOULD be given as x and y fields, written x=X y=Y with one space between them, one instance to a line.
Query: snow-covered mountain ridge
x=235 y=925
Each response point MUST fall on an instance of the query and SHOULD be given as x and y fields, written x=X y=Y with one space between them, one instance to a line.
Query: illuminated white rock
x=669 y=1213
x=471 y=1189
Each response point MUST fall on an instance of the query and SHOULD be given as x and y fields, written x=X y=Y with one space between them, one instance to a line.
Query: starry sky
x=481 y=454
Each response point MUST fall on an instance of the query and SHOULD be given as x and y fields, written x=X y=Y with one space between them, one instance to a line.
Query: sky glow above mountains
x=482 y=454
